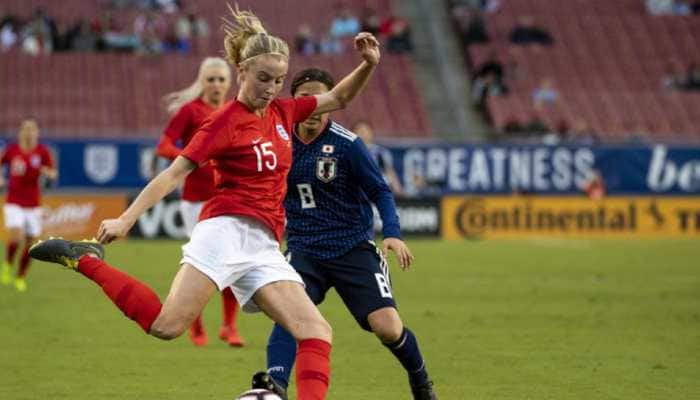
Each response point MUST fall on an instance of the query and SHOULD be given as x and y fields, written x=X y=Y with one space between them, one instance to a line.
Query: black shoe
x=263 y=380
x=65 y=252
x=424 y=392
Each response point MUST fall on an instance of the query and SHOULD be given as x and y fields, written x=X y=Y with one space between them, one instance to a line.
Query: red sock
x=10 y=251
x=230 y=307
x=24 y=262
x=313 y=369
x=197 y=326
x=136 y=300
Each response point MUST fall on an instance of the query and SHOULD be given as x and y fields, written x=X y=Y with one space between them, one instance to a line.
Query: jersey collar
x=305 y=143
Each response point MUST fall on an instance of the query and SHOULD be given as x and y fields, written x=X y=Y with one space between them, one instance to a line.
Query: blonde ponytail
x=246 y=38
x=175 y=100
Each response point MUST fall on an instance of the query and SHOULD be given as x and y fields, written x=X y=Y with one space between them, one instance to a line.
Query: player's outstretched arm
x=346 y=90
x=401 y=249
x=159 y=187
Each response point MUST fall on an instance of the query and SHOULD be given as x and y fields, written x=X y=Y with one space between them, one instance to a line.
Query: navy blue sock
x=407 y=352
x=281 y=354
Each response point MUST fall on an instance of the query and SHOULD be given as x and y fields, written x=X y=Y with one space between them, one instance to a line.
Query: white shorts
x=26 y=218
x=190 y=214
x=238 y=252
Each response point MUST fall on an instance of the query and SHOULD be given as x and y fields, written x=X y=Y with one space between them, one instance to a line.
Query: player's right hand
x=111 y=229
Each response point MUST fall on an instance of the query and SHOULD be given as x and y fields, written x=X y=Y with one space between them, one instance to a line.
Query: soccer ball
x=258 y=394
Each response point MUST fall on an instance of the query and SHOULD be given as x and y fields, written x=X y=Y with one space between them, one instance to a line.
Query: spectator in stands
x=670 y=7
x=526 y=32
x=672 y=79
x=345 y=25
x=184 y=30
x=582 y=133
x=304 y=41
x=659 y=7
x=85 y=39
x=8 y=33
x=399 y=37
x=168 y=6
x=487 y=80
x=695 y=7
x=173 y=44
x=381 y=156
x=36 y=34
x=116 y=38
x=370 y=21
x=692 y=81
x=545 y=94
x=200 y=28
x=470 y=23
x=330 y=45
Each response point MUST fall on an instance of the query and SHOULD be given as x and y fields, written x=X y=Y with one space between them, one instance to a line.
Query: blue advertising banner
x=437 y=169
x=501 y=169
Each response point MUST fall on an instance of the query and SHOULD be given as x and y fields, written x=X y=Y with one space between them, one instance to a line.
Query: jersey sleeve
x=210 y=141
x=299 y=109
x=365 y=169
x=179 y=123
x=46 y=158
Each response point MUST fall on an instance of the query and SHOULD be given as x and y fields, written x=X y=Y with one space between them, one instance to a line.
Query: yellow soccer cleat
x=6 y=273
x=65 y=252
x=21 y=285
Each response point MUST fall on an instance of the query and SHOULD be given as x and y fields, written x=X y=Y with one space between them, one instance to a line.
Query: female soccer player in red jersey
x=190 y=107
x=26 y=161
x=236 y=242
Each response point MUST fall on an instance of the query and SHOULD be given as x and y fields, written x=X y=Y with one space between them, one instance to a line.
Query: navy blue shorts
x=361 y=278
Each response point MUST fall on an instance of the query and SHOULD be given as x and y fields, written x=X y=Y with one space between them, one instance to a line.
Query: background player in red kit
x=26 y=161
x=191 y=106
x=236 y=242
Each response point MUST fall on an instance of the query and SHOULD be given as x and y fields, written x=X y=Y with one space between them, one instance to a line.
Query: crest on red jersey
x=35 y=160
x=282 y=132
x=326 y=168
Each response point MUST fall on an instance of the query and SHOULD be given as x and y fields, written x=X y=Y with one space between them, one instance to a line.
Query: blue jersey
x=331 y=187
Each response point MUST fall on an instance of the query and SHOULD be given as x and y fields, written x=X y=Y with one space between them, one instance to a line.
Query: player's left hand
x=368 y=46
x=50 y=173
x=111 y=229
x=402 y=251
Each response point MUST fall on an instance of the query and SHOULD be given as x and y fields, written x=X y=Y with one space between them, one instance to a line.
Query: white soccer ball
x=258 y=394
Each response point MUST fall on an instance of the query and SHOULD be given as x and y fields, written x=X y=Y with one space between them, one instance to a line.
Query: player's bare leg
x=386 y=324
x=189 y=293
x=287 y=303
x=14 y=237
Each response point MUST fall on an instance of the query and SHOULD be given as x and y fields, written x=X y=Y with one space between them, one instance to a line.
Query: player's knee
x=386 y=325
x=317 y=328
x=388 y=333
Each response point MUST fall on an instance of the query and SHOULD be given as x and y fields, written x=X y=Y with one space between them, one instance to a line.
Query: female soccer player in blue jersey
x=332 y=185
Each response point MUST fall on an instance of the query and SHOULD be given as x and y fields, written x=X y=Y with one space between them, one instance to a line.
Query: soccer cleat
x=6 y=273
x=230 y=335
x=65 y=252
x=199 y=339
x=21 y=285
x=424 y=392
x=263 y=380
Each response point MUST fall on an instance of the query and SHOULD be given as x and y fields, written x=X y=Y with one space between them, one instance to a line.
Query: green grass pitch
x=532 y=319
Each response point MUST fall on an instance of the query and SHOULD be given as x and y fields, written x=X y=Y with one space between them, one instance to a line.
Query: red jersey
x=251 y=156
x=24 y=169
x=199 y=185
